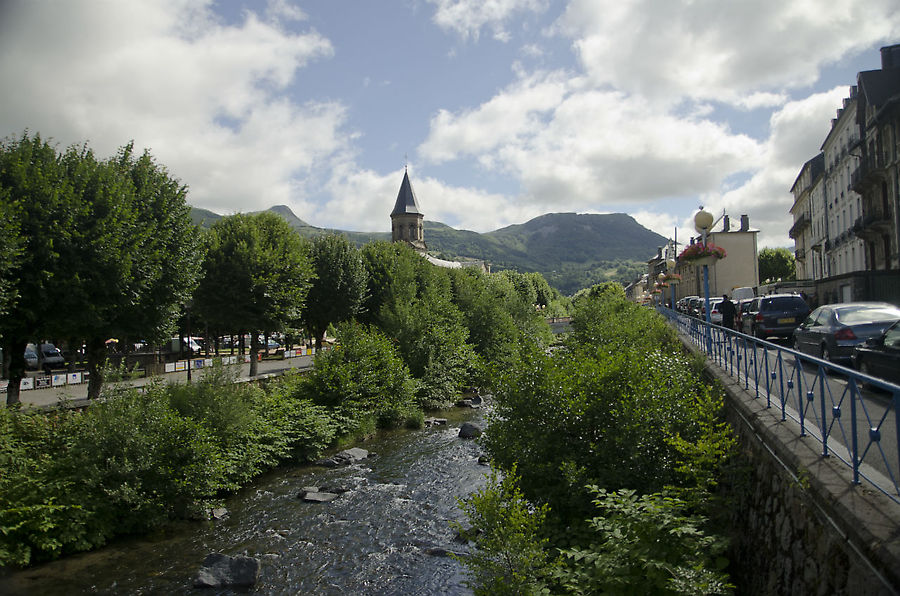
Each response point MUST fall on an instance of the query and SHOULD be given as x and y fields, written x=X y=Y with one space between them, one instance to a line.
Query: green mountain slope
x=572 y=251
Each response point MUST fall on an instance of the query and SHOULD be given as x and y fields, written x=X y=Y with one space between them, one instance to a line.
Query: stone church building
x=407 y=226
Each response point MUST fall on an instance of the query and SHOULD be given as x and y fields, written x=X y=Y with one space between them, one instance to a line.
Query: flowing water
x=374 y=539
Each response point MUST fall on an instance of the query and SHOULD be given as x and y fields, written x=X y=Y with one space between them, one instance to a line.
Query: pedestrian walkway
x=76 y=395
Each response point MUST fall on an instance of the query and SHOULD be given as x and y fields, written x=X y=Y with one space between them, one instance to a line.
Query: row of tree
x=94 y=249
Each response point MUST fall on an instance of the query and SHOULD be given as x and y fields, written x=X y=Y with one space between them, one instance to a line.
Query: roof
x=879 y=86
x=406 y=199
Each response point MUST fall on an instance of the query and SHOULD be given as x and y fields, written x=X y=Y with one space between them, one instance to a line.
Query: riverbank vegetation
x=612 y=450
x=74 y=480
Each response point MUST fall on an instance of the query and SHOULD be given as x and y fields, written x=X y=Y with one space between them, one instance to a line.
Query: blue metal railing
x=814 y=393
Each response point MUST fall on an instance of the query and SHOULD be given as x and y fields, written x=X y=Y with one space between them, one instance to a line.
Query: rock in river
x=220 y=570
x=345 y=457
x=469 y=431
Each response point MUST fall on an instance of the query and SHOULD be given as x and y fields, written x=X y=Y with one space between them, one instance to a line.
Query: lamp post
x=670 y=267
x=703 y=221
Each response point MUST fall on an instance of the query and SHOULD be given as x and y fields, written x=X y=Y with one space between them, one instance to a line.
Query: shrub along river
x=385 y=535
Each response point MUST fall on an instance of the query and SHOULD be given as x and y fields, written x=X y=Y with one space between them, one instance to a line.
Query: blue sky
x=502 y=109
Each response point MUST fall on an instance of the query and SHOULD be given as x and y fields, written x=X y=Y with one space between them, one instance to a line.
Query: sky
x=501 y=110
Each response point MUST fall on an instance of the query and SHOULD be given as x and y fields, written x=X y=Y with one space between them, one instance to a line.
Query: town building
x=807 y=250
x=846 y=210
x=877 y=177
x=739 y=268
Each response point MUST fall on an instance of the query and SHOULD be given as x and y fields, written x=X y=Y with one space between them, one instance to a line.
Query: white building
x=844 y=251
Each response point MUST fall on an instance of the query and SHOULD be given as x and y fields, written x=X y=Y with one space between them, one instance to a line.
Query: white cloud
x=797 y=133
x=208 y=99
x=724 y=51
x=577 y=148
x=468 y=17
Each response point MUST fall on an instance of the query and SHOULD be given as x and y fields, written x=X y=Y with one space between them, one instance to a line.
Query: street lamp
x=703 y=221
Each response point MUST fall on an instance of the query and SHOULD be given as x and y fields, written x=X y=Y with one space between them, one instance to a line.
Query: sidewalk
x=76 y=395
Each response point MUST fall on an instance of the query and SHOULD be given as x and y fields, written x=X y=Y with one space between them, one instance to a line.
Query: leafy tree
x=10 y=248
x=363 y=380
x=33 y=184
x=134 y=251
x=255 y=276
x=511 y=556
x=339 y=286
x=108 y=249
x=776 y=263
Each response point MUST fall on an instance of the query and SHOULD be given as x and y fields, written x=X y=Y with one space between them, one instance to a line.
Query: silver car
x=832 y=331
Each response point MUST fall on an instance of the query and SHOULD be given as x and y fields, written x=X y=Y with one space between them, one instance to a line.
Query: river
x=372 y=540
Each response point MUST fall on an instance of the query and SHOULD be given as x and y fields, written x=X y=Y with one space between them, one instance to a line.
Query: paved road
x=77 y=394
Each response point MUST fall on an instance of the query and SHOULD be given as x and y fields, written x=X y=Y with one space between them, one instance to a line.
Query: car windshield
x=780 y=303
x=864 y=314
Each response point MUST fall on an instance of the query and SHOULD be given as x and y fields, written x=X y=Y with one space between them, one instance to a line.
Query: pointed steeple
x=406 y=199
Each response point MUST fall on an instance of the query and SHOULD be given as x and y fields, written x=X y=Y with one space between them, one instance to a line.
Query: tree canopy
x=776 y=263
x=256 y=275
x=108 y=249
x=339 y=286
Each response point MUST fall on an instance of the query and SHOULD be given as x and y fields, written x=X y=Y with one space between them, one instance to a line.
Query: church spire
x=406 y=218
x=406 y=198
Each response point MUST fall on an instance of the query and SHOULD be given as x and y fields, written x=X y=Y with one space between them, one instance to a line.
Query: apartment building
x=845 y=210
x=740 y=268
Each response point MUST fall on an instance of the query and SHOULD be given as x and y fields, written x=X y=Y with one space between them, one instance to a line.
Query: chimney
x=745 y=223
x=890 y=57
x=726 y=224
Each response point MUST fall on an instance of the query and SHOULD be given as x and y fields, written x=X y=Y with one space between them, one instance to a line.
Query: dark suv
x=775 y=314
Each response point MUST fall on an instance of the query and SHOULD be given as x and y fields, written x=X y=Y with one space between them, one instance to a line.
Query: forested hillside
x=572 y=251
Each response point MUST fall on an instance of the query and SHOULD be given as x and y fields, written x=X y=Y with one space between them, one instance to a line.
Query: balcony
x=873 y=226
x=800 y=224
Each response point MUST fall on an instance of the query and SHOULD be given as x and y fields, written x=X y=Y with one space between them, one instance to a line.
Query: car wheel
x=758 y=333
x=864 y=369
x=796 y=343
x=826 y=353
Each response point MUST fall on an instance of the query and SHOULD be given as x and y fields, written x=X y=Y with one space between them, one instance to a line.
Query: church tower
x=406 y=219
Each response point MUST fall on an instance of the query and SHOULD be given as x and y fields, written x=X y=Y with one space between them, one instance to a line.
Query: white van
x=744 y=293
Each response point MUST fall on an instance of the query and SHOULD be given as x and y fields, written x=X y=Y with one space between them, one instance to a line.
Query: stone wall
x=799 y=525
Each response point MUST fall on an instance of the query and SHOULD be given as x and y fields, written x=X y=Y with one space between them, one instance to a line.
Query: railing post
x=822 y=379
x=854 y=446
x=781 y=385
x=801 y=407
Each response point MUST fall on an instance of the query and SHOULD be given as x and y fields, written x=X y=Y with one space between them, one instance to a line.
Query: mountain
x=571 y=250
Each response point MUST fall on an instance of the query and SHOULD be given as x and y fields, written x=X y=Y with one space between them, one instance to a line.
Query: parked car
x=694 y=306
x=832 y=331
x=50 y=354
x=774 y=314
x=715 y=316
x=880 y=356
x=683 y=304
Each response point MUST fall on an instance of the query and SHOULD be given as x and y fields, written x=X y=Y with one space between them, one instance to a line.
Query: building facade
x=740 y=267
x=846 y=220
x=842 y=206
x=810 y=177
x=877 y=176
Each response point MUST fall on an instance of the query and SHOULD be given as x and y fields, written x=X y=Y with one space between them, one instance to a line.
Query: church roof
x=406 y=199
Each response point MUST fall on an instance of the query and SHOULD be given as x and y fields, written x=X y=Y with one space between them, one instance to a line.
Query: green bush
x=362 y=380
x=619 y=406
x=71 y=481
x=510 y=557
x=645 y=545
